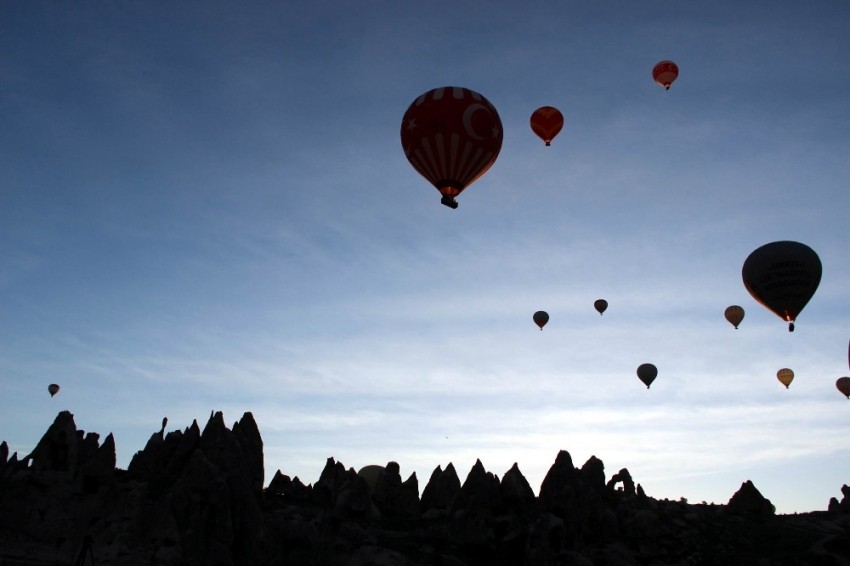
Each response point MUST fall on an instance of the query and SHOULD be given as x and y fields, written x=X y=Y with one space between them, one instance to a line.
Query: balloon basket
x=449 y=201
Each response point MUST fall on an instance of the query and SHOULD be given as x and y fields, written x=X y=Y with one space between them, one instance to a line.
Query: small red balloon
x=547 y=122
x=451 y=136
x=664 y=73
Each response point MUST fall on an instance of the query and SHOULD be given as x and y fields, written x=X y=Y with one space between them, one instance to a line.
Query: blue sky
x=205 y=206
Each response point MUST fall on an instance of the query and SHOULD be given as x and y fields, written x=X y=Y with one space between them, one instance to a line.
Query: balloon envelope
x=843 y=385
x=785 y=377
x=53 y=389
x=783 y=276
x=541 y=318
x=370 y=474
x=547 y=122
x=647 y=374
x=600 y=305
x=665 y=72
x=734 y=314
x=451 y=136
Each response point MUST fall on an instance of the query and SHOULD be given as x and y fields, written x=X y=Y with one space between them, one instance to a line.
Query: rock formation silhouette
x=196 y=497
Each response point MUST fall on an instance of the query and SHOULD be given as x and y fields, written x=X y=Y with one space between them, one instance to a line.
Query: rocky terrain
x=196 y=497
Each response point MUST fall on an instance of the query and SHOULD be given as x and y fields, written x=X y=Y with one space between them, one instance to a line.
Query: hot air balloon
x=783 y=276
x=53 y=389
x=546 y=122
x=647 y=373
x=600 y=305
x=541 y=318
x=734 y=314
x=371 y=473
x=451 y=136
x=785 y=377
x=664 y=73
x=843 y=385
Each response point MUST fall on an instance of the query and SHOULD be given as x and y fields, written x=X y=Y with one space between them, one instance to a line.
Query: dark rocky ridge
x=196 y=497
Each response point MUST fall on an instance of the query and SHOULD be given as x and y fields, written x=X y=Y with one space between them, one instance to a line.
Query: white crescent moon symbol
x=467 y=119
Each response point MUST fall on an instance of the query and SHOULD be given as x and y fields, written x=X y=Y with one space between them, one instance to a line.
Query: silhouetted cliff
x=196 y=497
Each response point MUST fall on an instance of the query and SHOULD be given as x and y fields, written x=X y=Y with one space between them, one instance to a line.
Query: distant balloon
x=53 y=389
x=600 y=305
x=783 y=276
x=843 y=385
x=547 y=122
x=541 y=318
x=647 y=374
x=451 y=136
x=785 y=377
x=734 y=315
x=664 y=73
x=370 y=474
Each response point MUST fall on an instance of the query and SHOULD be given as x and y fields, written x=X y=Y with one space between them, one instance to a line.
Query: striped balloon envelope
x=451 y=136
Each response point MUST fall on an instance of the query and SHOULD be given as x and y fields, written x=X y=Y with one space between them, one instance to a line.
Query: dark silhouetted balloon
x=371 y=473
x=547 y=122
x=451 y=136
x=783 y=276
x=785 y=377
x=600 y=305
x=664 y=73
x=843 y=385
x=734 y=315
x=541 y=318
x=53 y=389
x=647 y=374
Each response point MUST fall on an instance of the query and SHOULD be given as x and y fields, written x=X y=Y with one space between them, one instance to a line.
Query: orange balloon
x=785 y=377
x=664 y=73
x=734 y=315
x=547 y=122
x=541 y=318
x=451 y=136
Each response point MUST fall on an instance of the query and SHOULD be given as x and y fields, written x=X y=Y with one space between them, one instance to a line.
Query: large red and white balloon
x=451 y=136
